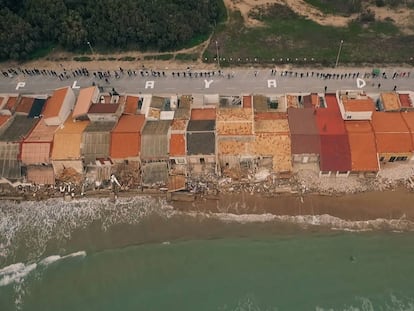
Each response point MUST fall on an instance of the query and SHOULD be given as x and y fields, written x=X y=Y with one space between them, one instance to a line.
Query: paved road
x=240 y=81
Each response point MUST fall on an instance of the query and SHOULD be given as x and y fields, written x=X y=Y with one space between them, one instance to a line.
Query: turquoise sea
x=140 y=255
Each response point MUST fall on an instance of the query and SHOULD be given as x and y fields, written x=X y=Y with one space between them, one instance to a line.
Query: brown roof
x=203 y=114
x=362 y=145
x=272 y=126
x=25 y=104
x=103 y=108
x=131 y=105
x=307 y=101
x=37 y=146
x=304 y=132
x=234 y=114
x=4 y=119
x=84 y=101
x=11 y=103
x=179 y=125
x=234 y=128
x=292 y=101
x=177 y=145
x=247 y=101
x=277 y=146
x=355 y=105
x=55 y=102
x=68 y=139
x=391 y=133
x=270 y=115
x=390 y=101
x=42 y=133
x=41 y=174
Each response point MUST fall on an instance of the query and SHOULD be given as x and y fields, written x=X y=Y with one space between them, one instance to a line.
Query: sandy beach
x=389 y=204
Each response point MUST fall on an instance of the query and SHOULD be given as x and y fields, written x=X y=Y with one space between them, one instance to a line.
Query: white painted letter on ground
x=271 y=83
x=74 y=85
x=207 y=83
x=20 y=84
x=149 y=84
x=360 y=83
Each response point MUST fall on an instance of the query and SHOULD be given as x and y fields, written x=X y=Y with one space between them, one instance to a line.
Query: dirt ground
x=403 y=18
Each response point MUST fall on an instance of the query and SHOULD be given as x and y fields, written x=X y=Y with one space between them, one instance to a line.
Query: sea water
x=139 y=254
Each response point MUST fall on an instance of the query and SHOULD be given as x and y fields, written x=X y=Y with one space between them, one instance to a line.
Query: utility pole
x=90 y=46
x=218 y=56
x=339 y=53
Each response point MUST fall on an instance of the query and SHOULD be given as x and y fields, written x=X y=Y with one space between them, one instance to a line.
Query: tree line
x=27 y=26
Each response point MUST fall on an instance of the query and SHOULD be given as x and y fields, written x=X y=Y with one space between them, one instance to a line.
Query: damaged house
x=235 y=136
x=155 y=152
x=201 y=142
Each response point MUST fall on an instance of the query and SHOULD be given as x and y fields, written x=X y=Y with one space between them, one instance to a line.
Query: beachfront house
x=59 y=106
x=201 y=141
x=304 y=135
x=364 y=156
x=235 y=138
x=355 y=105
x=392 y=136
x=335 y=157
x=66 y=153
x=87 y=96
x=272 y=138
x=95 y=150
x=11 y=140
x=155 y=152
x=36 y=151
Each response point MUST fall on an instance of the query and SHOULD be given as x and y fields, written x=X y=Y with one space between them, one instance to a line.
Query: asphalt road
x=230 y=82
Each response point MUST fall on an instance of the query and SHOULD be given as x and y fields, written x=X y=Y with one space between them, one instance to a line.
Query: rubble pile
x=69 y=175
x=128 y=175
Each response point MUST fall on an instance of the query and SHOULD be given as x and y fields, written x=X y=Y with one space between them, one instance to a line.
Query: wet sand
x=391 y=204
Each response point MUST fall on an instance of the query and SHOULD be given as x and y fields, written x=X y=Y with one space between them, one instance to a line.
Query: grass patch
x=41 y=52
x=338 y=7
x=82 y=58
x=186 y=57
x=168 y=56
x=289 y=36
x=127 y=58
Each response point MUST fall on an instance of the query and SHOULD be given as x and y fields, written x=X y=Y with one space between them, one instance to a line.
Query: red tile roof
x=391 y=133
x=335 y=153
x=356 y=105
x=177 y=145
x=362 y=145
x=55 y=102
x=127 y=123
x=126 y=137
x=405 y=100
x=203 y=114
x=131 y=105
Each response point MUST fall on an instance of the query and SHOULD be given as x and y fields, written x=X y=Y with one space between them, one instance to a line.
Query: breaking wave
x=15 y=275
x=334 y=223
x=29 y=226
